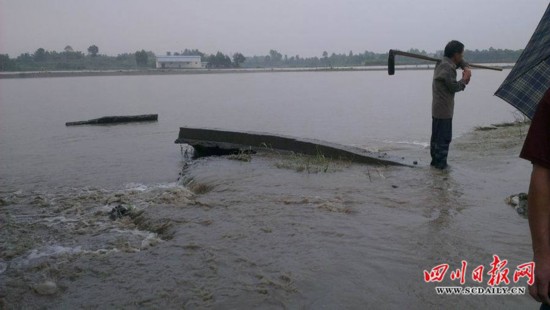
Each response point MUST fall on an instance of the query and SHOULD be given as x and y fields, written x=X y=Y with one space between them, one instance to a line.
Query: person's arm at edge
x=539 y=224
x=452 y=84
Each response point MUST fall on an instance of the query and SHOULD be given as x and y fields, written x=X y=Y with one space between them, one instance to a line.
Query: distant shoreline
x=84 y=73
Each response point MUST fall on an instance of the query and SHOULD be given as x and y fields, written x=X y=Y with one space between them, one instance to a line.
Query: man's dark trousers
x=442 y=132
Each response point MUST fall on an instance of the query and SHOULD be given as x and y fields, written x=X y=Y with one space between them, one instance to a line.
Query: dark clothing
x=444 y=87
x=537 y=144
x=442 y=132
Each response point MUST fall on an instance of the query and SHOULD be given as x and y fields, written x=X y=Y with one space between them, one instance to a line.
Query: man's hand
x=539 y=289
x=466 y=75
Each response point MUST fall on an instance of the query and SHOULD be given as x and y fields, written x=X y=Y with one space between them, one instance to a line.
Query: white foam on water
x=58 y=219
x=416 y=143
x=136 y=187
x=53 y=250
x=37 y=255
x=136 y=232
x=143 y=187
x=150 y=240
x=101 y=251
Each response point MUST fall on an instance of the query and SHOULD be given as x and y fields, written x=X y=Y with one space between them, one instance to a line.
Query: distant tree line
x=367 y=58
x=492 y=55
x=70 y=59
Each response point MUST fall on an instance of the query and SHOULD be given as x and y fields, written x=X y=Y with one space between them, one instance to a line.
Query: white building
x=179 y=62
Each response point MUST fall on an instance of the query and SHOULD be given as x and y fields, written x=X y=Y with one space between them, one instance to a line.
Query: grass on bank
x=520 y=120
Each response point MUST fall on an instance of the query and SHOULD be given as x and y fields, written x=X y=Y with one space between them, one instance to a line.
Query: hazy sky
x=304 y=27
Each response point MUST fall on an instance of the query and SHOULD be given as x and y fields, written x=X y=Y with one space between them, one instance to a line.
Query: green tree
x=141 y=58
x=325 y=58
x=39 y=55
x=7 y=64
x=93 y=50
x=275 y=56
x=68 y=49
x=194 y=52
x=219 y=61
x=238 y=59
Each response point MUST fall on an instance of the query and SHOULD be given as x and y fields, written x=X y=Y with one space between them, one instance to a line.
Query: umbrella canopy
x=530 y=78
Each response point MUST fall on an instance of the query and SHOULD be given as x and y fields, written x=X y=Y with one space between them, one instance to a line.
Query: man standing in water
x=444 y=87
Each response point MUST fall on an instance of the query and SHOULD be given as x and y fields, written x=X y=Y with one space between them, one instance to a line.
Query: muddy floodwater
x=269 y=231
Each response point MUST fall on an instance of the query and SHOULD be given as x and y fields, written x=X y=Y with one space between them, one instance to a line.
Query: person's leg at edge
x=539 y=205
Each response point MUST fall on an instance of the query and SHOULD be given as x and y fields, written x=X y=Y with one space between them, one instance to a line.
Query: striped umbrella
x=530 y=78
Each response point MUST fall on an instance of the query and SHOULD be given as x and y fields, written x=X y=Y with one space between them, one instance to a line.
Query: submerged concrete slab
x=117 y=120
x=222 y=142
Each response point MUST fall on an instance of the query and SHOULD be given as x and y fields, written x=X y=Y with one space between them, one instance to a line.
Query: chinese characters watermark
x=499 y=273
